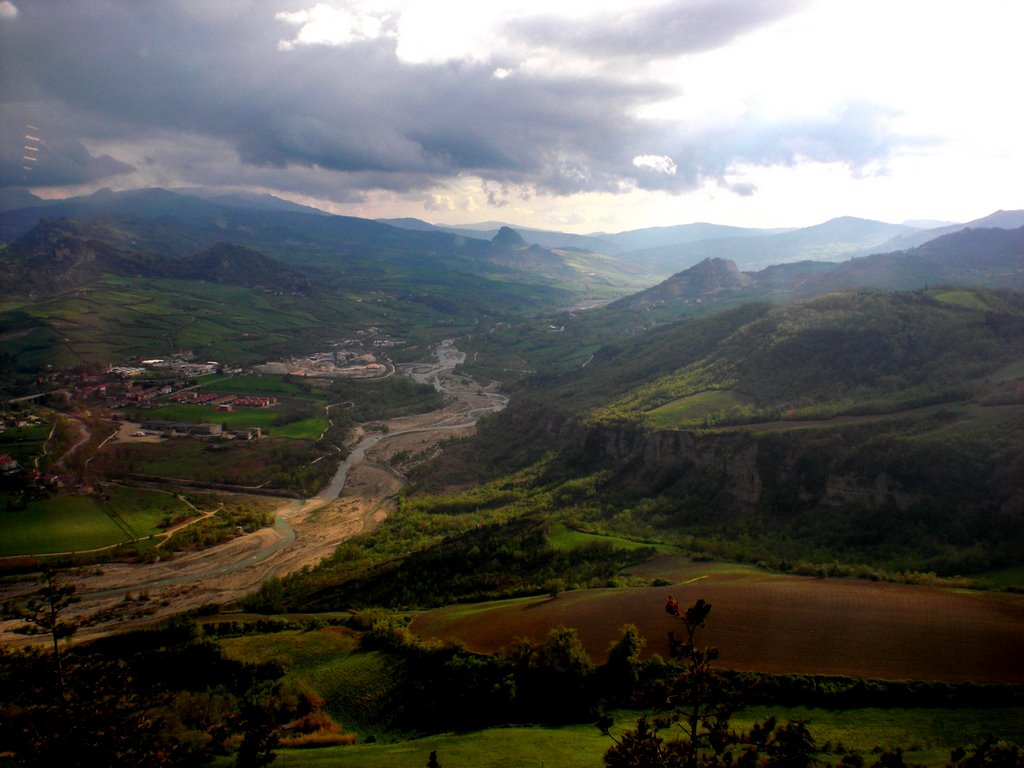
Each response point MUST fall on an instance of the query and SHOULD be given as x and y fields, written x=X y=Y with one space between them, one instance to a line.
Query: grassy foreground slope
x=930 y=734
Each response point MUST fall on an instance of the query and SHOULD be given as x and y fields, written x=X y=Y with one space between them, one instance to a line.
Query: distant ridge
x=66 y=255
x=509 y=238
x=707 y=277
x=417 y=225
x=989 y=257
x=229 y=264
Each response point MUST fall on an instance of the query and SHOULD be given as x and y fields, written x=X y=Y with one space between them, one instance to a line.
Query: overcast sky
x=578 y=116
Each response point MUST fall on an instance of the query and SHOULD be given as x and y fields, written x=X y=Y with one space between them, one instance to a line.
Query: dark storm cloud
x=38 y=153
x=155 y=78
x=670 y=29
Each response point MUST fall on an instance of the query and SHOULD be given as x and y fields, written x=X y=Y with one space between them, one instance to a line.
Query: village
x=122 y=393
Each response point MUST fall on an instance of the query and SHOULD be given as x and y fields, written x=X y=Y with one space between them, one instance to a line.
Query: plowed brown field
x=780 y=624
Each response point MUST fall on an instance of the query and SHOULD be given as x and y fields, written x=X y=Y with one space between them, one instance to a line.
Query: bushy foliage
x=487 y=561
x=697 y=732
x=903 y=348
x=160 y=697
x=386 y=399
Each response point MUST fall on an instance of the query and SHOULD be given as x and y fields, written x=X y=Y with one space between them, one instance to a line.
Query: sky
x=572 y=116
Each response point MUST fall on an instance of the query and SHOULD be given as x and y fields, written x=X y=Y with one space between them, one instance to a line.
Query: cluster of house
x=9 y=465
x=222 y=401
x=28 y=479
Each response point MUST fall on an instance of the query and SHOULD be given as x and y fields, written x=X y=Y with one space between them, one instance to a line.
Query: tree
x=988 y=754
x=260 y=729
x=620 y=673
x=44 y=613
x=700 y=705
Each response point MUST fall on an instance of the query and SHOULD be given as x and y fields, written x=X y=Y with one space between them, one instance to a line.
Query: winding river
x=212 y=564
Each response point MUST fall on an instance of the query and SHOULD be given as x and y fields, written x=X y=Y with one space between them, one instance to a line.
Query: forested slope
x=861 y=427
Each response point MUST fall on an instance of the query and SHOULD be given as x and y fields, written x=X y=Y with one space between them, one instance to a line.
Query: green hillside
x=884 y=430
x=841 y=353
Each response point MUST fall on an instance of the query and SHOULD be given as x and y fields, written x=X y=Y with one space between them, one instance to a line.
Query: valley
x=354 y=501
x=420 y=482
x=504 y=385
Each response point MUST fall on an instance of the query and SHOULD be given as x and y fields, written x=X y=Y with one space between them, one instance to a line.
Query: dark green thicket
x=486 y=562
x=157 y=698
x=387 y=399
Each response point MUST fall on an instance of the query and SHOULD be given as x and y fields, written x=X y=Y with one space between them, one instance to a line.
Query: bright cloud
x=610 y=113
x=325 y=24
x=658 y=163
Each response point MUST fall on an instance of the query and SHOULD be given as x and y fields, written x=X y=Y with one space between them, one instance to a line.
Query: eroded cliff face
x=881 y=466
x=726 y=464
x=743 y=471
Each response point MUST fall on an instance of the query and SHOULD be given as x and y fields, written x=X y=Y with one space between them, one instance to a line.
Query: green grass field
x=694 y=408
x=266 y=384
x=359 y=688
x=355 y=686
x=968 y=299
x=564 y=538
x=242 y=418
x=77 y=523
x=927 y=736
x=25 y=444
x=1002 y=579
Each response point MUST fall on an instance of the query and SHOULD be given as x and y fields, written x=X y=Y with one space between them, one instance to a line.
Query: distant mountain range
x=989 y=257
x=665 y=250
x=65 y=255
x=124 y=227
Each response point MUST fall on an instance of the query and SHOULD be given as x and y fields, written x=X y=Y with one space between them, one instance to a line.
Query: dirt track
x=358 y=498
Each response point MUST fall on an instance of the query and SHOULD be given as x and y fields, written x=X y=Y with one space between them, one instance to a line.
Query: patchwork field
x=78 y=523
x=268 y=463
x=777 y=624
x=242 y=418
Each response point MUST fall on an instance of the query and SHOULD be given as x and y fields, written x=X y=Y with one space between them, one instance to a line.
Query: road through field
x=357 y=498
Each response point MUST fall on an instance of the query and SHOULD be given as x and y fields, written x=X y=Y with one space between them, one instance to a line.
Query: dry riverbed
x=358 y=499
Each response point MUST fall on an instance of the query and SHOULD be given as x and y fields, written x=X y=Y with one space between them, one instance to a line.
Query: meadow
x=562 y=537
x=291 y=465
x=25 y=445
x=78 y=523
x=927 y=736
x=309 y=428
x=695 y=408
